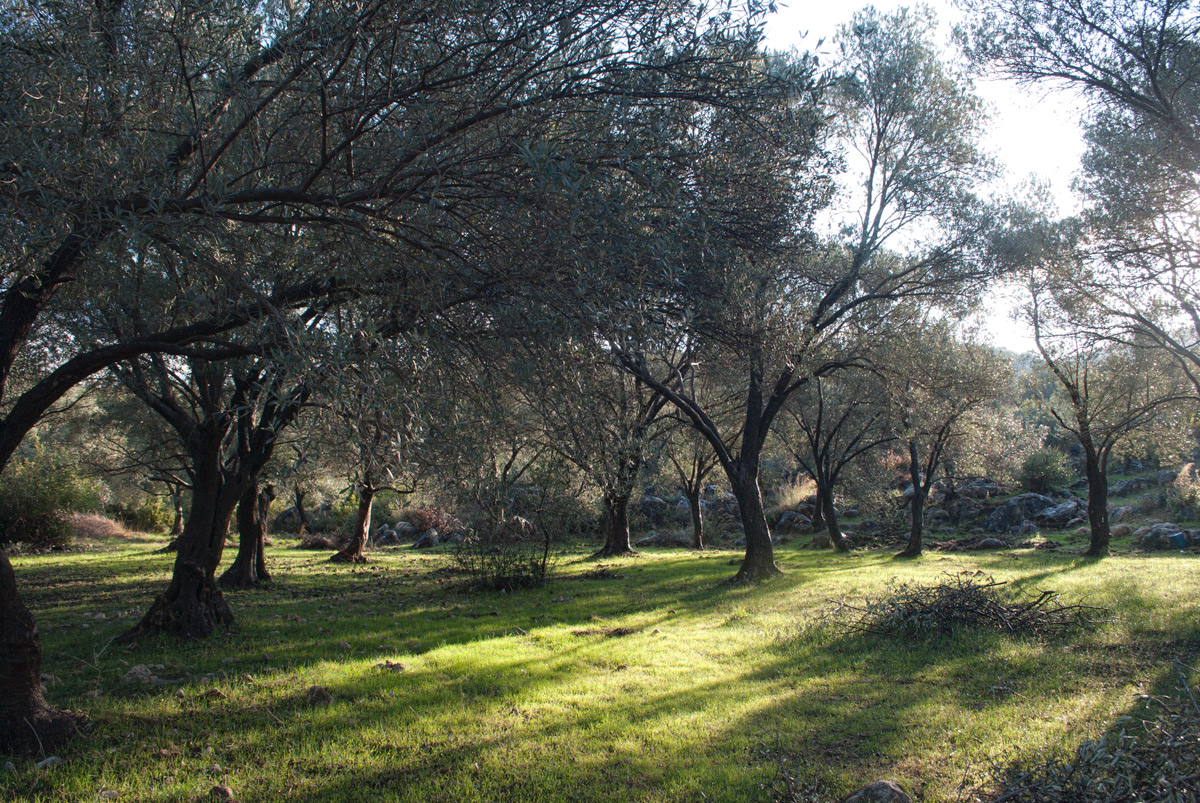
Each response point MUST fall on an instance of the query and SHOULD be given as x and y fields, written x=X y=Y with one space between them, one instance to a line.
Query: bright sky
x=1033 y=133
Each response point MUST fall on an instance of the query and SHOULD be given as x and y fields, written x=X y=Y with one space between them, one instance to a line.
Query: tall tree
x=835 y=421
x=937 y=383
x=1106 y=391
x=771 y=294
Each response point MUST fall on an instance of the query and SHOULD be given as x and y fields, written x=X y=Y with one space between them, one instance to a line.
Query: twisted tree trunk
x=28 y=724
x=759 y=563
x=353 y=553
x=249 y=567
x=617 y=540
x=192 y=606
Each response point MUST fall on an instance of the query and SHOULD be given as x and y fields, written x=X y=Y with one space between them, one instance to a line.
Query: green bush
x=37 y=495
x=1045 y=469
x=149 y=515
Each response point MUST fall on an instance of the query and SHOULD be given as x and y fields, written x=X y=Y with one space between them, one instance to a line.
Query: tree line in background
x=491 y=254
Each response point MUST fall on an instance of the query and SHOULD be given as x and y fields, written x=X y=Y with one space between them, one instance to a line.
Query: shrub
x=90 y=527
x=795 y=493
x=436 y=518
x=37 y=495
x=498 y=564
x=1185 y=490
x=150 y=515
x=1045 y=469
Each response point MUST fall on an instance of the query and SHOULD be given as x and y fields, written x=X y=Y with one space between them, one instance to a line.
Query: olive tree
x=1106 y=391
x=774 y=295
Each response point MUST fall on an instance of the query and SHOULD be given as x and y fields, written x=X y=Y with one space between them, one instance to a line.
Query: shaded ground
x=645 y=679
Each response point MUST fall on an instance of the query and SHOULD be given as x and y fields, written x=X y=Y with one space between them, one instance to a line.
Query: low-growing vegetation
x=645 y=678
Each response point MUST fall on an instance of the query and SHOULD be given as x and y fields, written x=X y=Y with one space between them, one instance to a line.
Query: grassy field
x=646 y=679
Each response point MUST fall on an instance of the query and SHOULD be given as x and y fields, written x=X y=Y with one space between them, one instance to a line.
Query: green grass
x=522 y=697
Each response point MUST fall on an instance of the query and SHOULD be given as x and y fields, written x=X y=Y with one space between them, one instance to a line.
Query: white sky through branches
x=1033 y=132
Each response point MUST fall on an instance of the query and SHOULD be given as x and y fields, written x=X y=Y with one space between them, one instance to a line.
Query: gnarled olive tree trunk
x=353 y=553
x=249 y=568
x=616 y=539
x=192 y=605
x=28 y=725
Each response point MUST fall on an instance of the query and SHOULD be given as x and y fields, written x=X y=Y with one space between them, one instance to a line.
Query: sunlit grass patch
x=647 y=678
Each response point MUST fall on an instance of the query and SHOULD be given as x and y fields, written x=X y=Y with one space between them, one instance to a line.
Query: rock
x=456 y=538
x=140 y=674
x=386 y=536
x=821 y=541
x=404 y=529
x=1161 y=528
x=1167 y=476
x=1160 y=539
x=1058 y=516
x=1085 y=531
x=287 y=517
x=222 y=793
x=319 y=696
x=428 y=539
x=47 y=763
x=1120 y=531
x=879 y=792
x=793 y=522
x=1118 y=513
x=936 y=518
x=988 y=543
x=982 y=488
x=1131 y=486
x=654 y=509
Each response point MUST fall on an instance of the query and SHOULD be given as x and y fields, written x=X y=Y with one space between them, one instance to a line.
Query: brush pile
x=968 y=600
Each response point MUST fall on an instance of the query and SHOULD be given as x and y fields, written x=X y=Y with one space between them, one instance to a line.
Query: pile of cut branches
x=1152 y=758
x=967 y=600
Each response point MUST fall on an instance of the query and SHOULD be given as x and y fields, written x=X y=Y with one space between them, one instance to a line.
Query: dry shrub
x=1185 y=489
x=795 y=493
x=335 y=543
x=92 y=527
x=967 y=600
x=435 y=518
x=1145 y=759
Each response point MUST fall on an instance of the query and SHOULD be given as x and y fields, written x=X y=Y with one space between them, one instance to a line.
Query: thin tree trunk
x=617 y=540
x=192 y=605
x=243 y=572
x=835 y=531
x=263 y=512
x=1097 y=482
x=917 y=505
x=818 y=518
x=304 y=525
x=28 y=724
x=177 y=502
x=693 y=497
x=353 y=553
x=759 y=563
